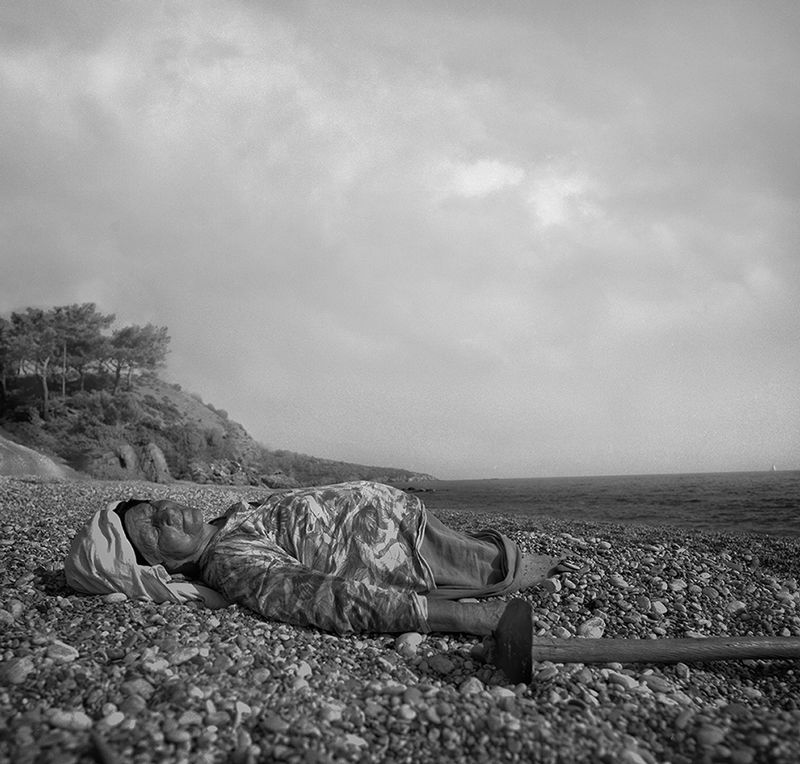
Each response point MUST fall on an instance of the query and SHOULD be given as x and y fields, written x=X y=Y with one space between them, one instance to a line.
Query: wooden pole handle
x=516 y=649
x=662 y=650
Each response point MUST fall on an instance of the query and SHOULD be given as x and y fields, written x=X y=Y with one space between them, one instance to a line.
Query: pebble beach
x=107 y=679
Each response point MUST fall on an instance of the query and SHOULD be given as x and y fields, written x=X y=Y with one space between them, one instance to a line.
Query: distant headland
x=89 y=396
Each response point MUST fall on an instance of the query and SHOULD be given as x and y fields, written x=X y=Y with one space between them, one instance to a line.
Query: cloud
x=478 y=179
x=557 y=197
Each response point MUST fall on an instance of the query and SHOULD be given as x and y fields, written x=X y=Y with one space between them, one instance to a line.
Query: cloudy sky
x=474 y=239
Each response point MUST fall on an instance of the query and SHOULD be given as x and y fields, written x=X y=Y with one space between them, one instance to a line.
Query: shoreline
x=82 y=678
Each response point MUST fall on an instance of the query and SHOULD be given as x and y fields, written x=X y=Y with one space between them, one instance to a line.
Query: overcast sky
x=476 y=239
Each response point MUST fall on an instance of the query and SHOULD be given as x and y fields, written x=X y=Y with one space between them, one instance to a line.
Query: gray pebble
x=70 y=720
x=15 y=670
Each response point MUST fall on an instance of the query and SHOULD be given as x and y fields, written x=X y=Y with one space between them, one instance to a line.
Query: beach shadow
x=53 y=582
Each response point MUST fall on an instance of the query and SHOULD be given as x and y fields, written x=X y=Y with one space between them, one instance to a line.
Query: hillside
x=159 y=432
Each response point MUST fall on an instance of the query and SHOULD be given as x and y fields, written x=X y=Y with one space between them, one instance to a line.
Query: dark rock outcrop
x=279 y=479
x=154 y=464
x=128 y=458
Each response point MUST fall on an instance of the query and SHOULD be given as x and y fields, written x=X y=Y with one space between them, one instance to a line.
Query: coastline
x=85 y=679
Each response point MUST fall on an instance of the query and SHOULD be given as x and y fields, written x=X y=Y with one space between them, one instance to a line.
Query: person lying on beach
x=352 y=557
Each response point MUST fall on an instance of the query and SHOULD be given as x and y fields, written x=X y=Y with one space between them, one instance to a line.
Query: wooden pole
x=663 y=650
x=516 y=649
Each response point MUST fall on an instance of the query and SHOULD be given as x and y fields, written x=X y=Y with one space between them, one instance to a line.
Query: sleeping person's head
x=164 y=532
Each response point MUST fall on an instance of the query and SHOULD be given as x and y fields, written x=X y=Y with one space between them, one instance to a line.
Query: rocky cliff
x=158 y=432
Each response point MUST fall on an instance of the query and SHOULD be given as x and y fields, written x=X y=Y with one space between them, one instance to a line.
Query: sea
x=730 y=502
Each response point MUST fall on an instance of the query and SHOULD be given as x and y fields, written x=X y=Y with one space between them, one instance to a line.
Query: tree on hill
x=79 y=330
x=35 y=345
x=138 y=348
x=66 y=341
x=6 y=359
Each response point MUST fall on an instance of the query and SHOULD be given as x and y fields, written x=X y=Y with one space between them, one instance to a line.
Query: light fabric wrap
x=101 y=560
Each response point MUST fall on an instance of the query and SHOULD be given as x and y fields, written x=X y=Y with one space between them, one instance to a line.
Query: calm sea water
x=751 y=502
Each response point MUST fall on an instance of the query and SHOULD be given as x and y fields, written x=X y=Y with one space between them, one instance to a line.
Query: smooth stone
x=332 y=712
x=737 y=710
x=550 y=585
x=584 y=676
x=413 y=696
x=709 y=735
x=114 y=597
x=643 y=604
x=683 y=718
x=70 y=720
x=511 y=723
x=16 y=670
x=405 y=712
x=371 y=708
x=502 y=692
x=630 y=756
x=156 y=666
x=471 y=686
x=184 y=655
x=138 y=687
x=242 y=709
x=114 y=719
x=391 y=688
x=735 y=606
x=441 y=664
x=624 y=680
x=408 y=642
x=274 y=723
x=243 y=741
x=593 y=628
x=189 y=719
x=355 y=740
x=132 y=705
x=217 y=719
x=659 y=607
x=548 y=672
x=61 y=652
x=432 y=715
x=178 y=736
x=657 y=683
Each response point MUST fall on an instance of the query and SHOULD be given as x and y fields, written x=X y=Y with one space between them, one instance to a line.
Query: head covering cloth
x=102 y=560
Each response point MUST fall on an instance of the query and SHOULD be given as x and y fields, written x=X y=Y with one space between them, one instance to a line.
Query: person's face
x=164 y=531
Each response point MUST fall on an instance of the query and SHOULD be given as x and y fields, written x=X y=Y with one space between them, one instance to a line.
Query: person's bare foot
x=535 y=568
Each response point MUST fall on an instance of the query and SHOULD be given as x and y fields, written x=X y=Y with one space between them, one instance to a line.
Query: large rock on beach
x=154 y=464
x=128 y=458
